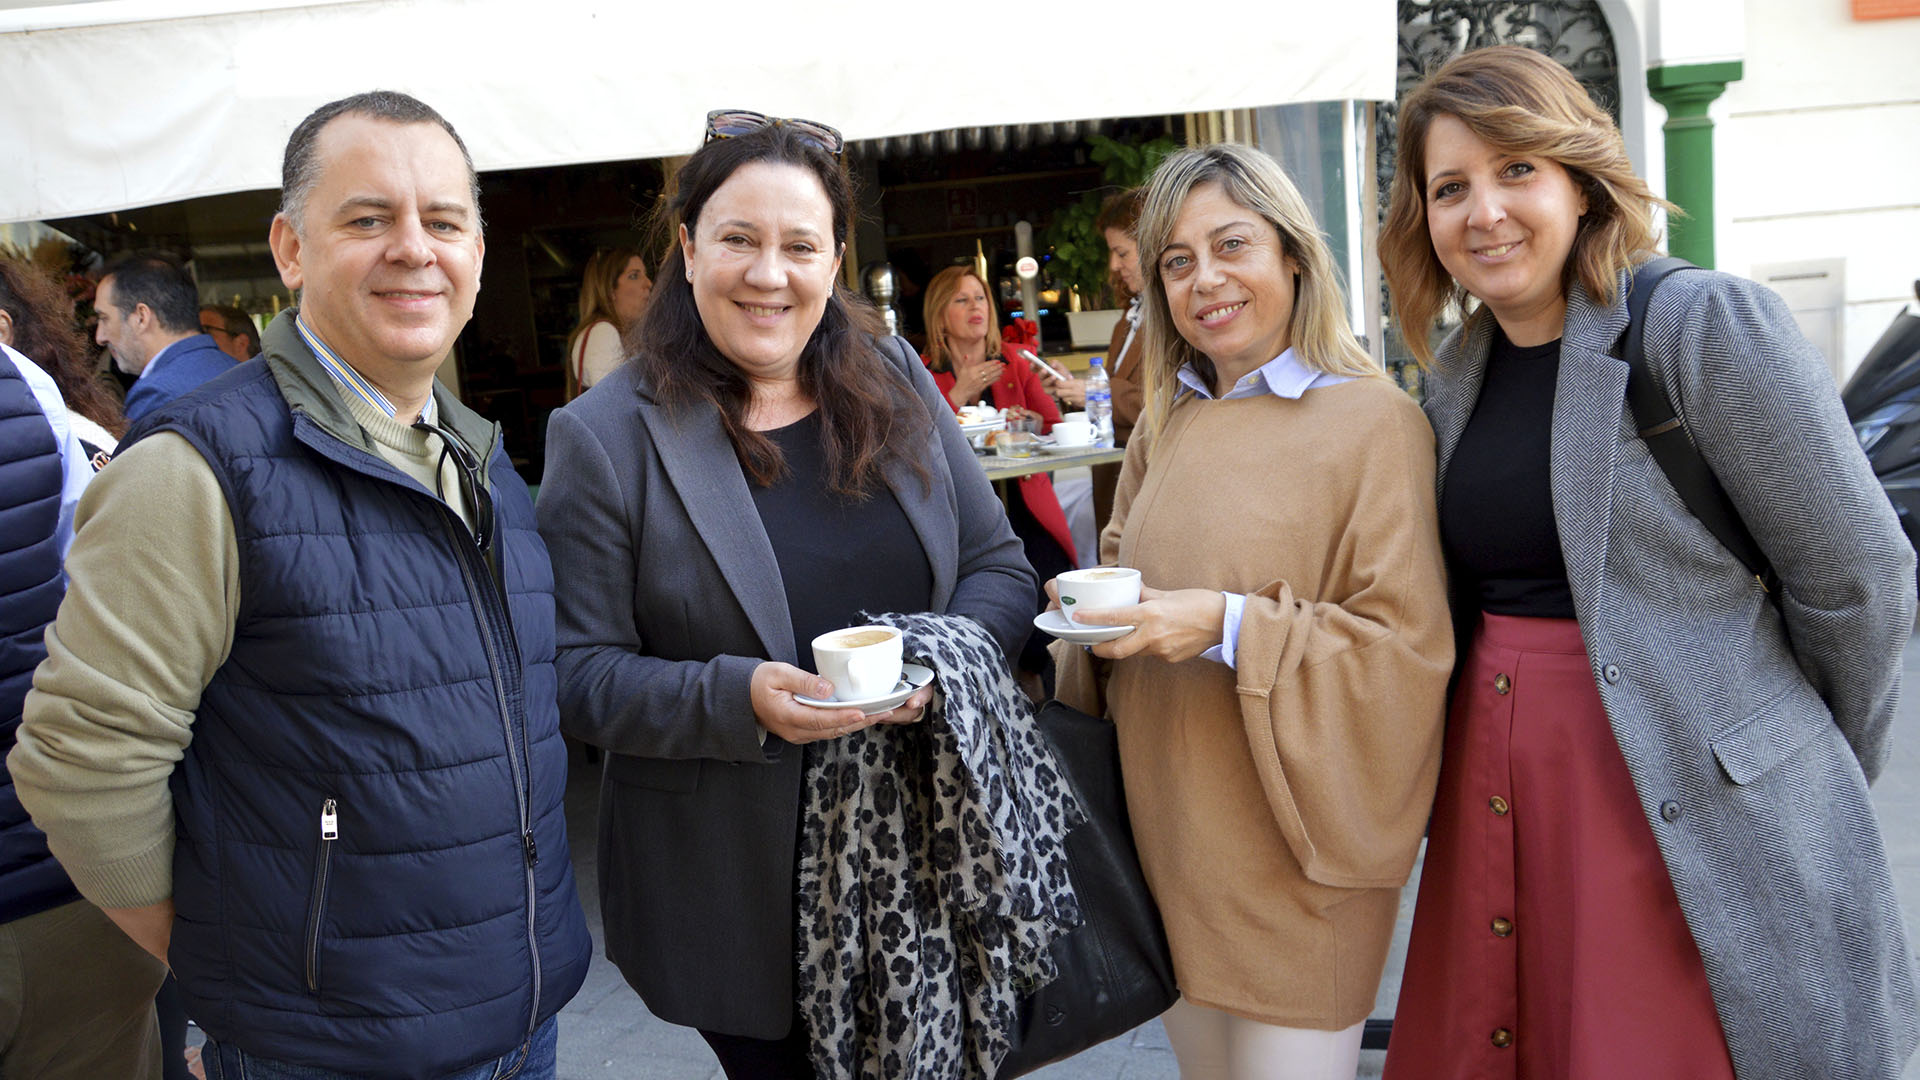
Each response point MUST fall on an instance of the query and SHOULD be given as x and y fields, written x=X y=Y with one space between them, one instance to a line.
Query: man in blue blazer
x=150 y=321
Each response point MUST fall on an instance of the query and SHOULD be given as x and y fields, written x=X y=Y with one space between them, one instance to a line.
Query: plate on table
x=912 y=677
x=1055 y=623
x=981 y=427
x=1076 y=448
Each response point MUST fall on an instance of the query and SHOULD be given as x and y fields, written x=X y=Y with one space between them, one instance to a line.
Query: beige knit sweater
x=1278 y=805
x=152 y=598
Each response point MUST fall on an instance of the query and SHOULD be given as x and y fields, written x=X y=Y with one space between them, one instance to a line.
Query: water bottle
x=1100 y=403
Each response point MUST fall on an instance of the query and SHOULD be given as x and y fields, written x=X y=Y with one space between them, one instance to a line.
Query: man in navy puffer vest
x=76 y=996
x=326 y=781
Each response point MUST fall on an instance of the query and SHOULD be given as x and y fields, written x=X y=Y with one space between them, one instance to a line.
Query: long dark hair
x=868 y=416
x=44 y=332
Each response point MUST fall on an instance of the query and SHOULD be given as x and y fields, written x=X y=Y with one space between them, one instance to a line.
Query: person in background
x=1653 y=853
x=150 y=320
x=37 y=319
x=971 y=365
x=231 y=329
x=613 y=295
x=765 y=470
x=296 y=732
x=1115 y=222
x=1279 y=700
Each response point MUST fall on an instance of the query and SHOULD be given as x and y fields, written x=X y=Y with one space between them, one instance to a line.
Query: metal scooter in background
x=1883 y=402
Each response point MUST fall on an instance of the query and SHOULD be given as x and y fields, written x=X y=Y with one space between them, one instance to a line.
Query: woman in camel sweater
x=1279 y=703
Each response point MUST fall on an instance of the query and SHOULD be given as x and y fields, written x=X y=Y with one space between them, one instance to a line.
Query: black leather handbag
x=1115 y=970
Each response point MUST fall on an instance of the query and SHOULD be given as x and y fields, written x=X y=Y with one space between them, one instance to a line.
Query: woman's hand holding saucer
x=772 y=691
x=910 y=711
x=1172 y=625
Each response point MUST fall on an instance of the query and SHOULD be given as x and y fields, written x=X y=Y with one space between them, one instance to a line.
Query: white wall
x=1817 y=155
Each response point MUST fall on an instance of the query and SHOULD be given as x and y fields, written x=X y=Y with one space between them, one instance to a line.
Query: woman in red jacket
x=971 y=365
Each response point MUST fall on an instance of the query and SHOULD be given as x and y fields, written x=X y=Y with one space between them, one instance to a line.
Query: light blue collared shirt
x=352 y=382
x=75 y=467
x=1283 y=376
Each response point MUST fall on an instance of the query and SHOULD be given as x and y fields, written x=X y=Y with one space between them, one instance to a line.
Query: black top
x=1496 y=514
x=837 y=558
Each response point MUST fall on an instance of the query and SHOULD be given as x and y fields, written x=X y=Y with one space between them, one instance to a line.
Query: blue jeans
x=531 y=1060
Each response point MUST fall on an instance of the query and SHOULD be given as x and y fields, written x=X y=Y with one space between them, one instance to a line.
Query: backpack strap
x=1665 y=434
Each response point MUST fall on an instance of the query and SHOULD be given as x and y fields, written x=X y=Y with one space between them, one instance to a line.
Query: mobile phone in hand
x=1045 y=368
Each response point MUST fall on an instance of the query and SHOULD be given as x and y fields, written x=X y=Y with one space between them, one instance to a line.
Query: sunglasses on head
x=730 y=123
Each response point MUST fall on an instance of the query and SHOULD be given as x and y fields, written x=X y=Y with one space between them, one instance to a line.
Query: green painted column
x=1686 y=90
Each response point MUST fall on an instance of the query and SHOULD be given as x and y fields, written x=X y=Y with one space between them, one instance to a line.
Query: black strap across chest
x=1660 y=427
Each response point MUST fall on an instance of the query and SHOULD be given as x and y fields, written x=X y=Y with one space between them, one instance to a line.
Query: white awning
x=123 y=103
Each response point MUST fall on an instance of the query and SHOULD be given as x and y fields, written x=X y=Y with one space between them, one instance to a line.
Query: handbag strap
x=1660 y=427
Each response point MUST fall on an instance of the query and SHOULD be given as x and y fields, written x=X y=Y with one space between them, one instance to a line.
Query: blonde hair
x=1320 y=336
x=1519 y=102
x=597 y=285
x=940 y=292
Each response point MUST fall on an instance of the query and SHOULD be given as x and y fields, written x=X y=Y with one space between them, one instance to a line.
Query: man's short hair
x=300 y=168
x=159 y=281
x=237 y=324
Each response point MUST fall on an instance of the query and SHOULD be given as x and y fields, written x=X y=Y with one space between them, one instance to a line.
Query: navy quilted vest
x=30 y=592
x=372 y=872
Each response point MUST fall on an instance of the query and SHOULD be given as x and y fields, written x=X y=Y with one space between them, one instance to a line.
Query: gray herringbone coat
x=1751 y=731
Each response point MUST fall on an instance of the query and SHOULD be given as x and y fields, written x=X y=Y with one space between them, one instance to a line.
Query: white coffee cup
x=1097 y=588
x=860 y=661
x=1073 y=416
x=1072 y=433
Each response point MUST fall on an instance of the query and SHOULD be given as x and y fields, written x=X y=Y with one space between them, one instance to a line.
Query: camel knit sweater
x=1278 y=805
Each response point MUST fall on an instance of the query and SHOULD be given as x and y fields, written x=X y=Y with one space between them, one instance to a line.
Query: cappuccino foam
x=858 y=638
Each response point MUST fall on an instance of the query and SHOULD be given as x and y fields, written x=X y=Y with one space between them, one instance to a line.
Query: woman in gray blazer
x=762 y=471
x=1652 y=852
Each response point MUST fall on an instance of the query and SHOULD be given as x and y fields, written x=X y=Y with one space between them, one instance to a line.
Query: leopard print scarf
x=932 y=872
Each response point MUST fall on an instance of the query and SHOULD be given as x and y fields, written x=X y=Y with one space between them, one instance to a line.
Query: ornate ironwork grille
x=1574 y=32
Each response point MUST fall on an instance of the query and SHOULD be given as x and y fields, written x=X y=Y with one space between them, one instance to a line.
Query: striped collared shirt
x=1283 y=376
x=351 y=381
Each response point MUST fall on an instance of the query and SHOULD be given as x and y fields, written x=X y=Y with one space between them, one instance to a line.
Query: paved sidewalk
x=605 y=1032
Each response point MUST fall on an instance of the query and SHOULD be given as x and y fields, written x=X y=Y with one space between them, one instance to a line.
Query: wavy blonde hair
x=1320 y=336
x=940 y=291
x=1519 y=102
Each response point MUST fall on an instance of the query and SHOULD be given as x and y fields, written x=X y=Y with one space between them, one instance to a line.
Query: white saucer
x=912 y=677
x=1053 y=622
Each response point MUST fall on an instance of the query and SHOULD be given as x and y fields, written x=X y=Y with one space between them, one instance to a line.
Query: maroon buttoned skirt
x=1547 y=942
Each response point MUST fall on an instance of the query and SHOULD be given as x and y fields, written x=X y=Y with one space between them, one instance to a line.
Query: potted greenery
x=1079 y=252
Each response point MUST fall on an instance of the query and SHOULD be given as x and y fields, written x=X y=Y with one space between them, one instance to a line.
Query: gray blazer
x=669 y=596
x=1751 y=731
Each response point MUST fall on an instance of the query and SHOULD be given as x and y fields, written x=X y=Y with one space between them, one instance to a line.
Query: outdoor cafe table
x=998 y=468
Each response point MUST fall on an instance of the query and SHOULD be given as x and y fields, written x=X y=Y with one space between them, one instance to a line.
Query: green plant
x=1079 y=252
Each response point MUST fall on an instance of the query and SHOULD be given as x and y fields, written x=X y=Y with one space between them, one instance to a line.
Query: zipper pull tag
x=329 y=821
x=533 y=850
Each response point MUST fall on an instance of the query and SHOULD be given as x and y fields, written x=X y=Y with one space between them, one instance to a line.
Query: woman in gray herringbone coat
x=1652 y=853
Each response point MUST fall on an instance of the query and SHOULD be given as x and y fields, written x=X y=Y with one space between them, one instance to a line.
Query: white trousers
x=1213 y=1045
x=1074 y=489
